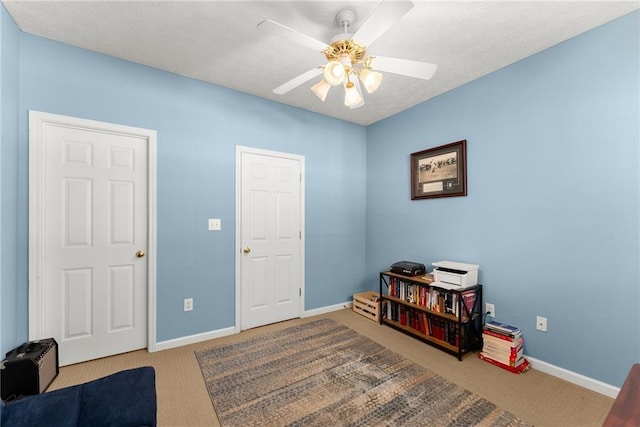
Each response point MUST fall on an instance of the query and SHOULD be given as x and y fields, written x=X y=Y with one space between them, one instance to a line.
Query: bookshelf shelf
x=418 y=307
x=420 y=335
x=449 y=319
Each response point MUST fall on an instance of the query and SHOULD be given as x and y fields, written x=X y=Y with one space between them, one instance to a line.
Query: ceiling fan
x=348 y=63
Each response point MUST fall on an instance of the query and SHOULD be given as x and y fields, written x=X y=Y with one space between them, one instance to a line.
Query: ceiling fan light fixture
x=352 y=97
x=370 y=79
x=334 y=73
x=321 y=89
x=347 y=61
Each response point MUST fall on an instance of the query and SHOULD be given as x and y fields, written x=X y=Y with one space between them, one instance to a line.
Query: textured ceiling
x=218 y=42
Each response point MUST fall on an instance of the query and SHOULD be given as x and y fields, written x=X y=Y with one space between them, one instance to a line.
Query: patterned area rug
x=324 y=374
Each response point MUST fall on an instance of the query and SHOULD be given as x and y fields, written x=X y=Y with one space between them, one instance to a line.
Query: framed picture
x=439 y=171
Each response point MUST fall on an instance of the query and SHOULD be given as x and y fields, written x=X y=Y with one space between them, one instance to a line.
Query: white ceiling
x=218 y=42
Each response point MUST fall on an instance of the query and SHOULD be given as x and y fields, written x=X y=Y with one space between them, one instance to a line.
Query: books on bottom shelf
x=433 y=326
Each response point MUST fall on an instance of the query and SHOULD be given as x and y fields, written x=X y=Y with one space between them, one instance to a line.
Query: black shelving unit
x=449 y=319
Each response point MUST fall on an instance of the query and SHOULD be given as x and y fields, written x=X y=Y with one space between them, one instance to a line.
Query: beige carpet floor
x=183 y=400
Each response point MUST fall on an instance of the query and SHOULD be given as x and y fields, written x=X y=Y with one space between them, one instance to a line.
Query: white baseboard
x=192 y=339
x=327 y=309
x=575 y=378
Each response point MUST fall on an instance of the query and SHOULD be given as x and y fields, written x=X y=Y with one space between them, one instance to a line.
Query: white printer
x=455 y=275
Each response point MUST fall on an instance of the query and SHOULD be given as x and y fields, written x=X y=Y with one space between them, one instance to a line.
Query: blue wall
x=9 y=42
x=552 y=209
x=199 y=126
x=552 y=214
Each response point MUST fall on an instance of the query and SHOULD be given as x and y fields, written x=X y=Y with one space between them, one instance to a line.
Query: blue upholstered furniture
x=123 y=399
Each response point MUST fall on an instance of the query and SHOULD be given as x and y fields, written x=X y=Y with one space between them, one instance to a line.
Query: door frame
x=240 y=150
x=37 y=122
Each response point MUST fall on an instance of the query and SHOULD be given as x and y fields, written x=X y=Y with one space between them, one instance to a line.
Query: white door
x=271 y=237
x=93 y=214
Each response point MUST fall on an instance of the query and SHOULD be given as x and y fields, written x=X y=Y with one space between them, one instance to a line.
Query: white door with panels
x=270 y=229
x=89 y=267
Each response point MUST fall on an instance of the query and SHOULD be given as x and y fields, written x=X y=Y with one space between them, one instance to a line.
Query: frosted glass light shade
x=370 y=79
x=352 y=97
x=334 y=73
x=321 y=89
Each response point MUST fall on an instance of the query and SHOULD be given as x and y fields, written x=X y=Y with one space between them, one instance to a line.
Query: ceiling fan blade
x=384 y=16
x=297 y=81
x=294 y=35
x=405 y=67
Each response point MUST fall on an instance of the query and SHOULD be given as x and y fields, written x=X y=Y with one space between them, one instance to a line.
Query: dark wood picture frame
x=439 y=171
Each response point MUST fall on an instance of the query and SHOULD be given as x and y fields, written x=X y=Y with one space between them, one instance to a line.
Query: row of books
x=502 y=345
x=436 y=327
x=434 y=299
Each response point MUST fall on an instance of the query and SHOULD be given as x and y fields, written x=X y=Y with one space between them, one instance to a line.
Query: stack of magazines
x=502 y=345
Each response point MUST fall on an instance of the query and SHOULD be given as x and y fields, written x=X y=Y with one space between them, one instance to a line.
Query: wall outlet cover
x=490 y=309
x=541 y=323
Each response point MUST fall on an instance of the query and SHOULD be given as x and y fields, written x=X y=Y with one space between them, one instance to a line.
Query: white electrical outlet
x=188 y=304
x=541 y=323
x=490 y=309
x=215 y=224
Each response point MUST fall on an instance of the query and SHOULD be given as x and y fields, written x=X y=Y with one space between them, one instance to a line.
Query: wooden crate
x=367 y=304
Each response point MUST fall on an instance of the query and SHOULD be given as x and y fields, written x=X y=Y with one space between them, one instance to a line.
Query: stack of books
x=502 y=345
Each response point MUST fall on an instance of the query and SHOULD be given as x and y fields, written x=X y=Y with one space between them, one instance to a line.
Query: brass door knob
x=246 y=249
x=140 y=254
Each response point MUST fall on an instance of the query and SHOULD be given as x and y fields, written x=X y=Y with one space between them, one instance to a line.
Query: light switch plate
x=215 y=224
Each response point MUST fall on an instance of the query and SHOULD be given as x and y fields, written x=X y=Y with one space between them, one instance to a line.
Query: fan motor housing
x=349 y=48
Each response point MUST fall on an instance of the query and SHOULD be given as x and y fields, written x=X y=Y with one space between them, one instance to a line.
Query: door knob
x=140 y=254
x=246 y=249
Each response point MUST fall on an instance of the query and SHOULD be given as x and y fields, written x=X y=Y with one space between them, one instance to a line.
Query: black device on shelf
x=408 y=268
x=29 y=369
x=450 y=319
